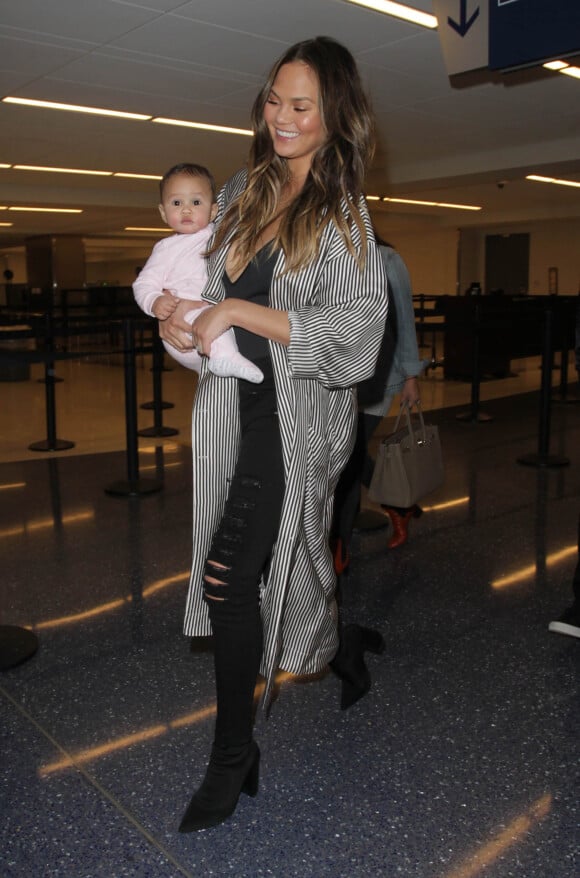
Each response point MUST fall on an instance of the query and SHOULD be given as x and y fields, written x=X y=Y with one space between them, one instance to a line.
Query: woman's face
x=292 y=114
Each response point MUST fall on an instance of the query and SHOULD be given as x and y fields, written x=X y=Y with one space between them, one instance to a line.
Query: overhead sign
x=505 y=34
x=464 y=33
x=524 y=32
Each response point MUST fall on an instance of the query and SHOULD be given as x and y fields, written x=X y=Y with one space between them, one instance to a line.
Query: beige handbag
x=409 y=464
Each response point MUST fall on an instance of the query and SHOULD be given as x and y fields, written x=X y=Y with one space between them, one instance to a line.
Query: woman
x=294 y=268
x=397 y=371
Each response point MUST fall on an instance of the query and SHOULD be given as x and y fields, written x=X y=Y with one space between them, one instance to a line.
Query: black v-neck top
x=253 y=285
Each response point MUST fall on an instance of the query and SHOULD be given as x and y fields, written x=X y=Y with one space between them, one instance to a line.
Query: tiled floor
x=462 y=762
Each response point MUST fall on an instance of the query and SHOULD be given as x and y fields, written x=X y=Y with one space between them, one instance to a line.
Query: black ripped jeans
x=239 y=555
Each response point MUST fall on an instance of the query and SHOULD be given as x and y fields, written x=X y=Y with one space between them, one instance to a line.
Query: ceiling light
x=6 y=225
x=563 y=67
x=138 y=176
x=97 y=111
x=555 y=65
x=571 y=71
x=221 y=128
x=398 y=10
x=433 y=203
x=411 y=201
x=539 y=179
x=458 y=206
x=47 y=209
x=5 y=166
x=62 y=170
x=144 y=229
x=373 y=197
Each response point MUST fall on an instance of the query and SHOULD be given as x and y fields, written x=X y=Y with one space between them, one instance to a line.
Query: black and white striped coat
x=337 y=317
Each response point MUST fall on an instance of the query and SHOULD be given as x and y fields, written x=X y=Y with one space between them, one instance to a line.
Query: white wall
x=441 y=260
x=554 y=243
x=444 y=261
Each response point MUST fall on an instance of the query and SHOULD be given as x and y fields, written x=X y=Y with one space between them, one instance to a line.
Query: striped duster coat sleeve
x=336 y=313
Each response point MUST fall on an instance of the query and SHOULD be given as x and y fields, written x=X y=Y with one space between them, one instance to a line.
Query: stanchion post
x=474 y=415
x=543 y=458
x=421 y=320
x=49 y=340
x=51 y=443
x=564 y=329
x=133 y=486
x=157 y=429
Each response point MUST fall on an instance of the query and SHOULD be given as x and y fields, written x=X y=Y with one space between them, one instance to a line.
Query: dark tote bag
x=409 y=463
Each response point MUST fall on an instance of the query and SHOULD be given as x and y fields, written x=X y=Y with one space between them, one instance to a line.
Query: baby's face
x=187 y=205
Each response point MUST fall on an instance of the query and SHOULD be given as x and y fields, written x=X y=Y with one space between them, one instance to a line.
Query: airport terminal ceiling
x=471 y=141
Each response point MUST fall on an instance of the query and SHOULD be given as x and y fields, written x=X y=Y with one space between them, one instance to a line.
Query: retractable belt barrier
x=555 y=317
x=45 y=329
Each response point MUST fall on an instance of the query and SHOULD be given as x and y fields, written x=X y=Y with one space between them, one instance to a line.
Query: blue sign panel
x=525 y=32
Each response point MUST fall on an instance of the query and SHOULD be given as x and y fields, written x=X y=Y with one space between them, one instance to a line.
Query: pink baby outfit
x=177 y=263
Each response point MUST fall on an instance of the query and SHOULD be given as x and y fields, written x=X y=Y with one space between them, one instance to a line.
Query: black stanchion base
x=369 y=519
x=152 y=405
x=540 y=460
x=134 y=488
x=55 y=380
x=46 y=445
x=16 y=646
x=158 y=431
x=479 y=418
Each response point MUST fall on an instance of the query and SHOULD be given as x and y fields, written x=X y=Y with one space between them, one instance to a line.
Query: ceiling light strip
x=75 y=108
x=420 y=203
x=223 y=129
x=398 y=10
x=99 y=111
x=537 y=178
x=138 y=176
x=62 y=170
x=47 y=209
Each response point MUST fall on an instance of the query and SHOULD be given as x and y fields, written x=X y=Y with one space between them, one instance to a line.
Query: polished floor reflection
x=461 y=762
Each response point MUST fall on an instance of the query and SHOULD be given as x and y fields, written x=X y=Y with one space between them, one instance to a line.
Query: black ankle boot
x=228 y=775
x=349 y=662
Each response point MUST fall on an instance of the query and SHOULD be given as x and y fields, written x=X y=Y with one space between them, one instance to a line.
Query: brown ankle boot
x=400 y=522
x=340 y=556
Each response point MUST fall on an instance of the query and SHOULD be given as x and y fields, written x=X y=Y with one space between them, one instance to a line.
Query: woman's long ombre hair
x=336 y=174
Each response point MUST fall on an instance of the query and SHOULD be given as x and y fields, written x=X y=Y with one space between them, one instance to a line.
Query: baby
x=177 y=270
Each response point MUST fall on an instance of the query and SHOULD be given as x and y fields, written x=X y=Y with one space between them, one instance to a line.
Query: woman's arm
x=268 y=322
x=406 y=357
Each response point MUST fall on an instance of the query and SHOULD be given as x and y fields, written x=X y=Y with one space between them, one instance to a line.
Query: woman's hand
x=177 y=331
x=410 y=392
x=210 y=324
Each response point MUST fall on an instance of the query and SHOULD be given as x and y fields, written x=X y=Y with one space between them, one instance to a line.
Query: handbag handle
x=406 y=408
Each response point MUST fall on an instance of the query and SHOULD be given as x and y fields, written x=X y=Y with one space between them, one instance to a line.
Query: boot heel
x=218 y=795
x=373 y=641
x=352 y=692
x=252 y=781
